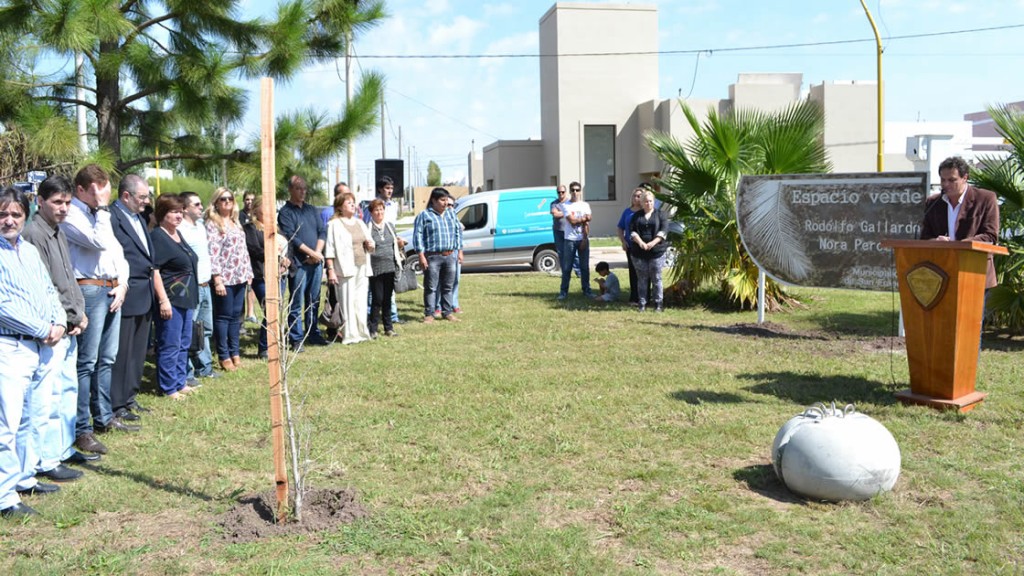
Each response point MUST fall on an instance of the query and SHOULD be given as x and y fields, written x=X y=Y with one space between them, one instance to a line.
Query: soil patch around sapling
x=322 y=509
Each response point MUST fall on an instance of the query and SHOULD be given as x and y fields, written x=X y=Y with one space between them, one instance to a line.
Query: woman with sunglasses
x=231 y=272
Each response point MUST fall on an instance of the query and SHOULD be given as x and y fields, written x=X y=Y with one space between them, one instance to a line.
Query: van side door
x=477 y=218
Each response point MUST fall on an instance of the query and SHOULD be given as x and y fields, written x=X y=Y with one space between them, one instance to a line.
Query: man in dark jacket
x=962 y=212
x=136 y=314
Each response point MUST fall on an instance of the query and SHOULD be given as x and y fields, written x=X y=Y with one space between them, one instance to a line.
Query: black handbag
x=198 y=334
x=405 y=280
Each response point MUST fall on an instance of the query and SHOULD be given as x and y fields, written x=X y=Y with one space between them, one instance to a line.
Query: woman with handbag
x=231 y=272
x=177 y=293
x=386 y=265
x=255 y=246
x=348 y=266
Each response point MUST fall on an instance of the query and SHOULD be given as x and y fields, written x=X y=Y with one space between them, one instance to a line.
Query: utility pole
x=383 y=148
x=348 y=100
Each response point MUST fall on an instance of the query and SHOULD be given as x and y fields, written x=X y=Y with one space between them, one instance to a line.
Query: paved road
x=615 y=258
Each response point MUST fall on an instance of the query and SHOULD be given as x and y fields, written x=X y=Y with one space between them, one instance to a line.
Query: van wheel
x=546 y=261
x=412 y=260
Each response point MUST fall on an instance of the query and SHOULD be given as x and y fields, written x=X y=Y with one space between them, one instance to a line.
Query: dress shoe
x=117 y=424
x=297 y=347
x=88 y=443
x=40 y=488
x=228 y=365
x=19 y=510
x=61 y=474
x=80 y=458
x=316 y=341
x=237 y=361
x=138 y=408
x=390 y=333
x=126 y=415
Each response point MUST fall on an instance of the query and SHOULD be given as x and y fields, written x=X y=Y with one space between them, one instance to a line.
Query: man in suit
x=136 y=314
x=962 y=212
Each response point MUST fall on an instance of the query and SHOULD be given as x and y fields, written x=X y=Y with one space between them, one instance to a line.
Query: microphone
x=924 y=218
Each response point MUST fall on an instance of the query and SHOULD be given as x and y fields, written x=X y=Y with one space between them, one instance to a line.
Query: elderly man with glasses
x=300 y=223
x=136 y=315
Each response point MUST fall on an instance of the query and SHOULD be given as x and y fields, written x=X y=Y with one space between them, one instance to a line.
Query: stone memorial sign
x=826 y=230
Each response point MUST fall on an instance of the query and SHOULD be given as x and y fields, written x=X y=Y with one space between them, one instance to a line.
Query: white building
x=599 y=95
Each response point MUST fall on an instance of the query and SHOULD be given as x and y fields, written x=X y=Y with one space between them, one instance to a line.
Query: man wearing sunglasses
x=576 y=228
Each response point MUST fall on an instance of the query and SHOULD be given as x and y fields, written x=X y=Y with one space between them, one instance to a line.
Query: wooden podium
x=942 y=293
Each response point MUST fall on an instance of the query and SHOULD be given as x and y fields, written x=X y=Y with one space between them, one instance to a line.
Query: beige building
x=596 y=108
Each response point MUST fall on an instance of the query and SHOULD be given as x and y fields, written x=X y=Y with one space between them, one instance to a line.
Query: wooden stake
x=273 y=297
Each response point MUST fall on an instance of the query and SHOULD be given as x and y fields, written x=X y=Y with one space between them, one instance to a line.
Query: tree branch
x=138 y=96
x=237 y=155
x=63 y=100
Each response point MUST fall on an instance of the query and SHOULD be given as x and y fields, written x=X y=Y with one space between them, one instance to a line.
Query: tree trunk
x=108 y=99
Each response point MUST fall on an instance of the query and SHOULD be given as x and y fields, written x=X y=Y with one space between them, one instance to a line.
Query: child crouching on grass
x=607 y=282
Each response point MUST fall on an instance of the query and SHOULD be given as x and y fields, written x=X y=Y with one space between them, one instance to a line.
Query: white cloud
x=436 y=7
x=459 y=33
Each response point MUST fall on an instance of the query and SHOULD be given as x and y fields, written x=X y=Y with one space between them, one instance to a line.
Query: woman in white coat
x=348 y=266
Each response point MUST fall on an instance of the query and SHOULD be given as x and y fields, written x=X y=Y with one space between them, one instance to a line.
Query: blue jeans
x=576 y=249
x=97 y=350
x=305 y=302
x=227 y=320
x=455 y=289
x=201 y=363
x=20 y=362
x=55 y=405
x=173 y=337
x=438 y=281
x=648 y=275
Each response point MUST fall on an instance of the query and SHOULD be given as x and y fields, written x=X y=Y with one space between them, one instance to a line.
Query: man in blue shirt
x=437 y=238
x=300 y=223
x=32 y=321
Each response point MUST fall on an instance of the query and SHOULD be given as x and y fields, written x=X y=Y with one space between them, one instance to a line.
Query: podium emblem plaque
x=927 y=282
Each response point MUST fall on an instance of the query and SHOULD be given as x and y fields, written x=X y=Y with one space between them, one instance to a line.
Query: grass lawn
x=540 y=437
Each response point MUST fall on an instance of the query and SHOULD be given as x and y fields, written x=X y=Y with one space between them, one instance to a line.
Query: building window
x=598 y=162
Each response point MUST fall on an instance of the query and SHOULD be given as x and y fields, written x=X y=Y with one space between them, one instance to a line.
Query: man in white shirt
x=193 y=230
x=102 y=274
x=576 y=227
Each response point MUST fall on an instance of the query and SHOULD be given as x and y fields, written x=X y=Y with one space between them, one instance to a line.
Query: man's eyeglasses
x=574 y=189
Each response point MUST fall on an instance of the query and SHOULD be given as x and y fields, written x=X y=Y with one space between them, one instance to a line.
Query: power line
x=690 y=51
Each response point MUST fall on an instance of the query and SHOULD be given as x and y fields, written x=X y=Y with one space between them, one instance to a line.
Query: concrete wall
x=422 y=195
x=851 y=124
x=768 y=92
x=513 y=164
x=596 y=90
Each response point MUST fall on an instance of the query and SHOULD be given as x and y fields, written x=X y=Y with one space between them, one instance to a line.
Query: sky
x=446 y=107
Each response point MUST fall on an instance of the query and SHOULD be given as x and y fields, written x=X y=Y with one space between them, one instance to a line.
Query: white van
x=504 y=227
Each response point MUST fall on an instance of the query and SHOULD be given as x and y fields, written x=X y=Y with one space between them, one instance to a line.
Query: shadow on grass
x=761 y=478
x=148 y=481
x=1002 y=343
x=697 y=397
x=806 y=389
x=766 y=330
x=877 y=323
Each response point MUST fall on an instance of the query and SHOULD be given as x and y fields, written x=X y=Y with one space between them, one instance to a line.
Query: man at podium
x=970 y=214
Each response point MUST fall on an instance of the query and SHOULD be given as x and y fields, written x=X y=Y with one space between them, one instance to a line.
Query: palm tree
x=1005 y=177
x=701 y=177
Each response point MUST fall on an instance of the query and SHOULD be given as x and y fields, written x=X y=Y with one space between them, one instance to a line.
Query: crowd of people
x=642 y=231
x=86 y=281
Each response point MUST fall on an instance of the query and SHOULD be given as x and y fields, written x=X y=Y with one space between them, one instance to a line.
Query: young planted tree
x=433 y=174
x=157 y=73
x=701 y=177
x=1005 y=177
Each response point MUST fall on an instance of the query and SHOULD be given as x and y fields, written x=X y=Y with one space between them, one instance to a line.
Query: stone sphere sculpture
x=830 y=454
